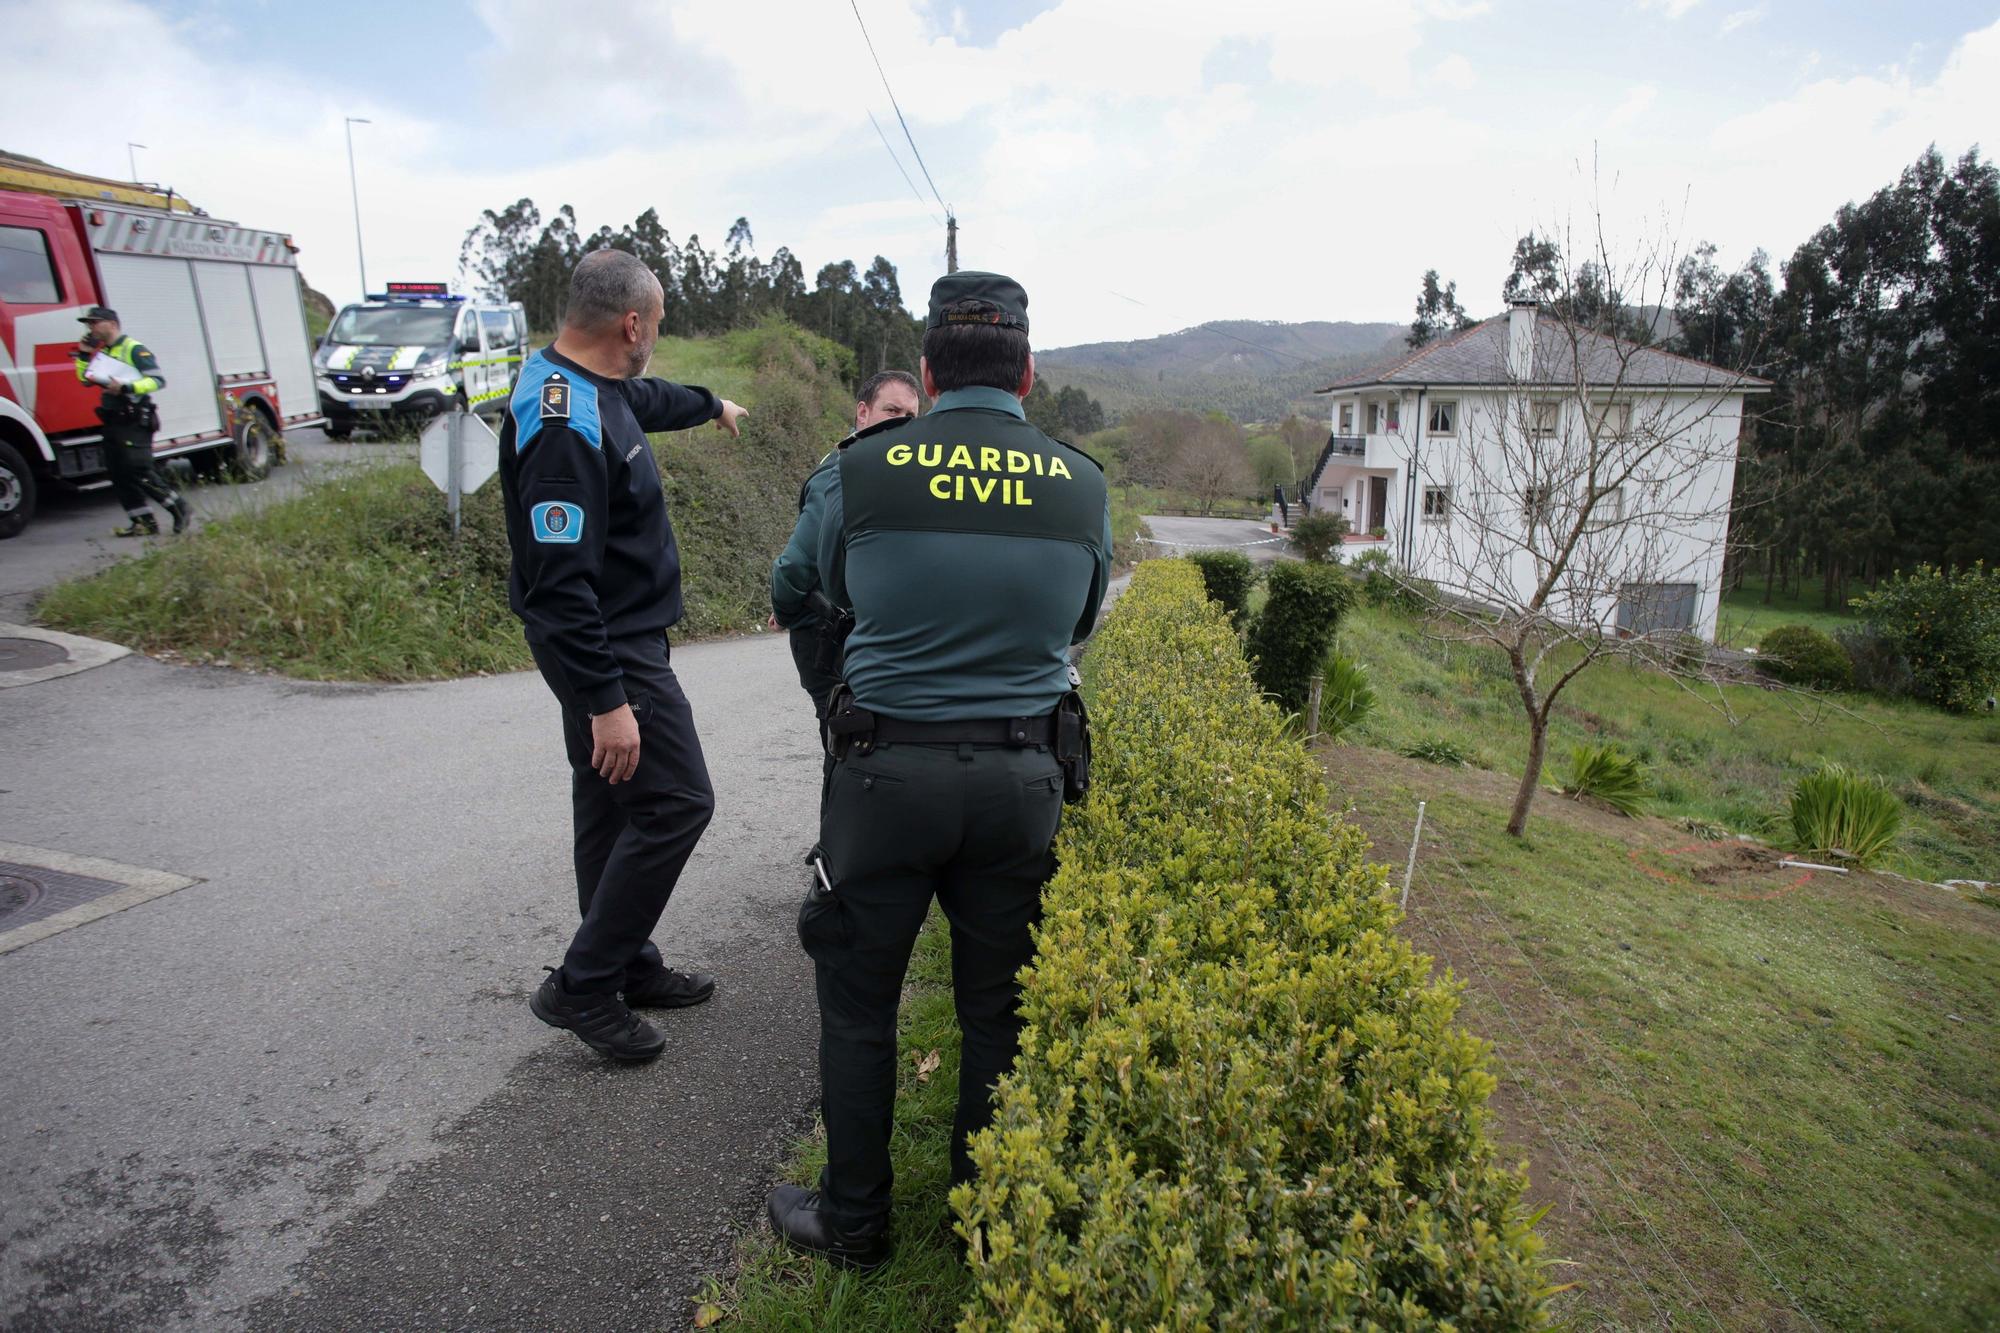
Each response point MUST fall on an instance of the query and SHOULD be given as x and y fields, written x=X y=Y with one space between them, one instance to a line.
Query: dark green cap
x=1005 y=304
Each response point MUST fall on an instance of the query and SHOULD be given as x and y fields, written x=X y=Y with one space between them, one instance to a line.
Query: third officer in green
x=973 y=551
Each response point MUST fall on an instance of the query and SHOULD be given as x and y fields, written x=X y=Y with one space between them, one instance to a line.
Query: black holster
x=847 y=727
x=1072 y=746
x=835 y=624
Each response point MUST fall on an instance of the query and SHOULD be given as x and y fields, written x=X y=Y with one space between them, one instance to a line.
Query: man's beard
x=637 y=360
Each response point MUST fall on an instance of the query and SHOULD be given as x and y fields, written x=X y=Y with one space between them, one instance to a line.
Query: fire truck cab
x=415 y=351
x=218 y=304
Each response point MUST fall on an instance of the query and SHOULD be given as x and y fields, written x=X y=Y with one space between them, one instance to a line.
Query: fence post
x=1411 y=869
x=454 y=463
x=1312 y=706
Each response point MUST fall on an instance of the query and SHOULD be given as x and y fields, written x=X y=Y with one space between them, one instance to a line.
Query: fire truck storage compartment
x=282 y=317
x=231 y=319
x=154 y=298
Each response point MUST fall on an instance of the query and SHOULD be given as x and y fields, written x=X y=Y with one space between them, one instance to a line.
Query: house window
x=1542 y=418
x=1649 y=608
x=1608 y=510
x=1346 y=419
x=1437 y=504
x=1395 y=414
x=1535 y=504
x=1614 y=421
x=1444 y=417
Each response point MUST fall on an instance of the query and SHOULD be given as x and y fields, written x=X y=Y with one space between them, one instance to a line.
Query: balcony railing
x=1351 y=446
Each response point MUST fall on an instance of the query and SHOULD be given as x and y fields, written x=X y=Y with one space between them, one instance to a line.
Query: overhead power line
x=855 y=5
x=899 y=167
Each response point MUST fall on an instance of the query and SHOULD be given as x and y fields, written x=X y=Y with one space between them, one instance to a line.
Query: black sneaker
x=601 y=1021
x=669 y=988
x=796 y=1217
x=182 y=511
x=142 y=525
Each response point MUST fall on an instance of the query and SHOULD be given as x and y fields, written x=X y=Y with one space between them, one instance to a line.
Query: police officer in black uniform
x=596 y=581
x=973 y=551
x=130 y=418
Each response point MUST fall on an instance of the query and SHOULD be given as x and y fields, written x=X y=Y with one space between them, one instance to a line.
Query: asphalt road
x=70 y=535
x=1184 y=536
x=306 y=1092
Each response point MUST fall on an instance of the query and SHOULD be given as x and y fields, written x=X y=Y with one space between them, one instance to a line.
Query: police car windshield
x=392 y=326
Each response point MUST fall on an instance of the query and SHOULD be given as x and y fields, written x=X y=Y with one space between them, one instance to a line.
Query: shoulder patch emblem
x=557 y=523
x=555 y=399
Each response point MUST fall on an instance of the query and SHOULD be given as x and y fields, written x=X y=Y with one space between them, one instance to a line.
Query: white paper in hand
x=104 y=367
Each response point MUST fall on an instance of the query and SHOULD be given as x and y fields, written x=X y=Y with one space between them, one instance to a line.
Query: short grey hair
x=606 y=286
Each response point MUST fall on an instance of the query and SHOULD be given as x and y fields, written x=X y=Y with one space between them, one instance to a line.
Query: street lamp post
x=359 y=258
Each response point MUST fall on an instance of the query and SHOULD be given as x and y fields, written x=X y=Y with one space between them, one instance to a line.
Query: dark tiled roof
x=1478 y=355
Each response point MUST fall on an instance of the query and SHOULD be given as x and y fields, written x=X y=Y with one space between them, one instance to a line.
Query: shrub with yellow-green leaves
x=1240 y=1101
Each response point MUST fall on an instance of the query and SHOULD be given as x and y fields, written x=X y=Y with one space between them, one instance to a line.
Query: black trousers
x=632 y=839
x=136 y=477
x=973 y=827
x=819 y=685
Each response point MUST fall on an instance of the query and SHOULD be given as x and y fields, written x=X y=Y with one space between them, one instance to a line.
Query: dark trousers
x=819 y=686
x=632 y=839
x=972 y=826
x=135 y=474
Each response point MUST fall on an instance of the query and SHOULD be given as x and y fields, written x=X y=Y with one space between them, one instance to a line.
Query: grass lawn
x=923 y=1286
x=1705 y=766
x=1753 y=1098
x=1746 y=617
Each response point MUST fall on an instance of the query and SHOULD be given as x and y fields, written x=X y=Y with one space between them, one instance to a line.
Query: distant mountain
x=1250 y=370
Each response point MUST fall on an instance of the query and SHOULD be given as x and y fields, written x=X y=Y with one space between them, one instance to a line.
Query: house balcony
x=1380 y=450
x=1348 y=446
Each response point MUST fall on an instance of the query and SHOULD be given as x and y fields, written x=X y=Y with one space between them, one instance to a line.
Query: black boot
x=601 y=1021
x=669 y=988
x=182 y=511
x=142 y=525
x=796 y=1217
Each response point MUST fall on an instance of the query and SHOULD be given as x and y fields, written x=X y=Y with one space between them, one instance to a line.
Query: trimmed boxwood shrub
x=1241 y=1101
x=1228 y=577
x=1802 y=655
x=1295 y=628
x=1317 y=536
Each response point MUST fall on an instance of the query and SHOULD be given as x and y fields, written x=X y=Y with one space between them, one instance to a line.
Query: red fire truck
x=219 y=304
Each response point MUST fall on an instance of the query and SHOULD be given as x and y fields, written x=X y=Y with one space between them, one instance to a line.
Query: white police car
x=415 y=351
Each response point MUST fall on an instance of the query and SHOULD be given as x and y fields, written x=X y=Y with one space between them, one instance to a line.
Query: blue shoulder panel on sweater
x=547 y=393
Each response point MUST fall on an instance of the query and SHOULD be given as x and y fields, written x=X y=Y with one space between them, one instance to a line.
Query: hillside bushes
x=1240 y=1101
x=1293 y=632
x=1945 y=623
x=1802 y=655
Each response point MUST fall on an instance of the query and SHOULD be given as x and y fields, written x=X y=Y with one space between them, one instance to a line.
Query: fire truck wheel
x=338 y=430
x=253 y=446
x=17 y=491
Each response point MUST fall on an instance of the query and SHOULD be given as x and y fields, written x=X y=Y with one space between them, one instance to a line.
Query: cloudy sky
x=1142 y=165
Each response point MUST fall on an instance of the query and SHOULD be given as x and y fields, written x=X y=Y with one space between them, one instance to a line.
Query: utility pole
x=354 y=187
x=132 y=158
x=951 y=242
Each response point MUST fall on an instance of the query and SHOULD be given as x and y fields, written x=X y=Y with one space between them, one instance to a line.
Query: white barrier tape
x=1211 y=546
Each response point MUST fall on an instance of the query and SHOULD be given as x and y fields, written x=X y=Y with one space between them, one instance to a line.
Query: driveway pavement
x=305 y=1091
x=1184 y=536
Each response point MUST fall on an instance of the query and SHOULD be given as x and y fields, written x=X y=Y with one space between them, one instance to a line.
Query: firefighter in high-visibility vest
x=129 y=418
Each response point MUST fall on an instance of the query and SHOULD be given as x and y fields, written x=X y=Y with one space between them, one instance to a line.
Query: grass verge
x=1747 y=617
x=923 y=1286
x=1944 y=767
x=1749 y=1096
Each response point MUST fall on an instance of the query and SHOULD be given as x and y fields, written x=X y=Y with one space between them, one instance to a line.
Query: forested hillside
x=1248 y=370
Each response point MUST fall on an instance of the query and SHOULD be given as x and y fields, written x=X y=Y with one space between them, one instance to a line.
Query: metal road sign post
x=459 y=453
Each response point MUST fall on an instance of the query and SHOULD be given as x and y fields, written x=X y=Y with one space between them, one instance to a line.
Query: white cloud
x=1351 y=147
x=1741 y=18
x=1673 y=9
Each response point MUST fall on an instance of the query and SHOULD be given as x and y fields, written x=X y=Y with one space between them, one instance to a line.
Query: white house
x=1469 y=459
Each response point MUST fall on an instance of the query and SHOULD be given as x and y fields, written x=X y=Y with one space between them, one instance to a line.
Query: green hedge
x=1292 y=633
x=1802 y=655
x=1228 y=577
x=1240 y=1101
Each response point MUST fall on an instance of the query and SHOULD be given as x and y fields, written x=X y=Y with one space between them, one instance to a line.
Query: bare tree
x=1212 y=463
x=1564 y=514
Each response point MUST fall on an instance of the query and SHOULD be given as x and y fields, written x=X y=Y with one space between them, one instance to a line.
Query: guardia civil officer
x=973 y=551
x=130 y=417
x=885 y=395
x=596 y=581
